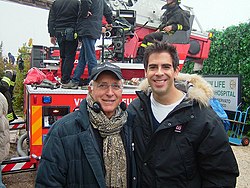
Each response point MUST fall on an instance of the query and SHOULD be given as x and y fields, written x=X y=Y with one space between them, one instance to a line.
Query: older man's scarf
x=113 y=149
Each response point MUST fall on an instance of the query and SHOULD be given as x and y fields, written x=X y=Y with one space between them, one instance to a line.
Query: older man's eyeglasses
x=105 y=86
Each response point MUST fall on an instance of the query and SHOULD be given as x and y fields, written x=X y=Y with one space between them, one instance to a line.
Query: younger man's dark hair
x=159 y=47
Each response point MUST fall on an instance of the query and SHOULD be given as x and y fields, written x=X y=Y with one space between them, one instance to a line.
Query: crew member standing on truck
x=173 y=19
x=89 y=29
x=62 y=29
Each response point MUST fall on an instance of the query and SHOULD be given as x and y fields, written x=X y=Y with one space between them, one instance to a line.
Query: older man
x=89 y=147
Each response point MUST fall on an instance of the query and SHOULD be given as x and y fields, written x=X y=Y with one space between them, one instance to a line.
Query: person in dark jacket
x=62 y=29
x=173 y=19
x=11 y=58
x=90 y=146
x=179 y=141
x=7 y=84
x=89 y=29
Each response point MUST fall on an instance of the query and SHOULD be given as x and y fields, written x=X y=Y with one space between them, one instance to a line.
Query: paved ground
x=20 y=180
x=242 y=154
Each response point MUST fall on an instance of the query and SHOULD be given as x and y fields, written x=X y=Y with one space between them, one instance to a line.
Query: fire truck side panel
x=46 y=106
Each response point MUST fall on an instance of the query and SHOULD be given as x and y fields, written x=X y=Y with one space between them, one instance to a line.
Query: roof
x=44 y=4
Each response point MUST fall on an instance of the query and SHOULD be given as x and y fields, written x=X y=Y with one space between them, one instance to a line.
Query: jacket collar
x=82 y=117
x=196 y=87
x=90 y=145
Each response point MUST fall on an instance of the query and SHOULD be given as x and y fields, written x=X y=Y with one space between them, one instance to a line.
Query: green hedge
x=18 y=102
x=229 y=55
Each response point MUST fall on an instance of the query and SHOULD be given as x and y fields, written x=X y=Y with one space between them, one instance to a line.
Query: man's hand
x=53 y=40
x=104 y=29
x=167 y=28
x=136 y=81
x=108 y=26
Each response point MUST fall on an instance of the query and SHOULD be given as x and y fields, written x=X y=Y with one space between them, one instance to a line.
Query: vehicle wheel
x=245 y=141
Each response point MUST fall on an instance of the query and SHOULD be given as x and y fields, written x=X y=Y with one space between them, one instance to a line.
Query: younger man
x=179 y=141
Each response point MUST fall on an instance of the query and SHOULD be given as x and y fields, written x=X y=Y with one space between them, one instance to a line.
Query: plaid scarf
x=113 y=149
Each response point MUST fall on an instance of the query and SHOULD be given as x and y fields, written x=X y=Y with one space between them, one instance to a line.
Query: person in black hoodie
x=62 y=29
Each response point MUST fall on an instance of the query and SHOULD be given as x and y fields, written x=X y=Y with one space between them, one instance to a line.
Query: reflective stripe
x=6 y=79
x=146 y=45
x=75 y=35
x=12 y=83
x=143 y=45
x=179 y=27
x=36 y=122
x=149 y=43
x=210 y=35
x=10 y=116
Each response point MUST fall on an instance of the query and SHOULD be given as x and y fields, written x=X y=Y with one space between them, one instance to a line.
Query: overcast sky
x=18 y=23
